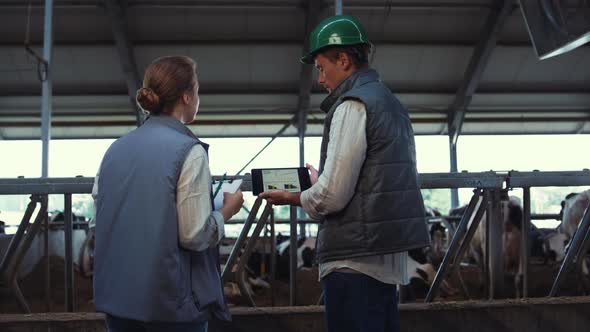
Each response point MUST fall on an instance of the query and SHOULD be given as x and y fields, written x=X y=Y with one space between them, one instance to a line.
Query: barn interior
x=70 y=70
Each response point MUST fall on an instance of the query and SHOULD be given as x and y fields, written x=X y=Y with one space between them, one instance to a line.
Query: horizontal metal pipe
x=83 y=185
x=241 y=122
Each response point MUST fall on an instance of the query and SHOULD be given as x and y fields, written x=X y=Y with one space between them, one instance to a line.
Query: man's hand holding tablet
x=283 y=186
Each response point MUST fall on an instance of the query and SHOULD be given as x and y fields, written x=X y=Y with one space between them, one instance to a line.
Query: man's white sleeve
x=345 y=157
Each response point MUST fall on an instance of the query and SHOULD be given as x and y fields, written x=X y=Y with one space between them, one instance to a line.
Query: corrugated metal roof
x=248 y=53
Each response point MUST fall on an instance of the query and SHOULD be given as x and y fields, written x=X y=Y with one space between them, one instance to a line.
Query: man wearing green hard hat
x=366 y=192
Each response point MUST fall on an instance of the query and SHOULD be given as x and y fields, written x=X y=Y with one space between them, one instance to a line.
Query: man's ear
x=344 y=60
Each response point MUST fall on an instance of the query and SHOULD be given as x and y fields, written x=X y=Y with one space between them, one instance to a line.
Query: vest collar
x=174 y=124
x=356 y=79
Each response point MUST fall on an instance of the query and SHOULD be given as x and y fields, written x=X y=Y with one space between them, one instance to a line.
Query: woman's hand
x=232 y=203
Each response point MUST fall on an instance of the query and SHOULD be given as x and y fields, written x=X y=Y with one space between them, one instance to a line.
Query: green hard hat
x=335 y=30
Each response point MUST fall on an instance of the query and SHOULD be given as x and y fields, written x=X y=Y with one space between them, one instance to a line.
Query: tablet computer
x=294 y=179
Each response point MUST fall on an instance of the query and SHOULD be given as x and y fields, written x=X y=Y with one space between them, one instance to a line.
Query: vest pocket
x=204 y=280
x=184 y=301
x=196 y=301
x=184 y=279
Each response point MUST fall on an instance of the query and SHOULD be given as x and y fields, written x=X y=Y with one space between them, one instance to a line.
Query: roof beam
x=116 y=13
x=288 y=41
x=477 y=65
x=280 y=121
x=265 y=4
x=305 y=77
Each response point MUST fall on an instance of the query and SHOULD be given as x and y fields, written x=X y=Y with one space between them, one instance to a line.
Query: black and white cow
x=36 y=251
x=56 y=244
x=422 y=264
x=511 y=235
x=555 y=242
x=512 y=213
x=574 y=207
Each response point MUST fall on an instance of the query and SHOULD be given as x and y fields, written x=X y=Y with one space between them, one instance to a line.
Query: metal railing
x=39 y=189
x=488 y=199
x=579 y=244
x=487 y=187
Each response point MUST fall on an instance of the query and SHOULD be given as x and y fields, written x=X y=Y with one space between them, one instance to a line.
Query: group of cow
x=548 y=244
x=81 y=241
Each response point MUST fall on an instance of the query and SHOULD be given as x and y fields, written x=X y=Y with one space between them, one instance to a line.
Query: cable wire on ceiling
x=42 y=65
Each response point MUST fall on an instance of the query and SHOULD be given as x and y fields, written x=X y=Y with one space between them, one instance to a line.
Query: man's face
x=331 y=74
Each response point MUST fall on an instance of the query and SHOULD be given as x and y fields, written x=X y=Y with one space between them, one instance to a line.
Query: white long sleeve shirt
x=198 y=226
x=335 y=187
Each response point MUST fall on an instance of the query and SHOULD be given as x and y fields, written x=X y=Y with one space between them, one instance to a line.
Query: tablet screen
x=294 y=179
x=281 y=179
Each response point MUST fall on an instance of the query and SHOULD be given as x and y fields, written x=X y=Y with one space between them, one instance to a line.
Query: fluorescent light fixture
x=568 y=47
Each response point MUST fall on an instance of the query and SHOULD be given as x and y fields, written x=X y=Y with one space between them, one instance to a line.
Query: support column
x=454 y=169
x=47 y=85
x=305 y=83
x=69 y=265
x=116 y=11
x=499 y=13
x=338 y=7
x=494 y=245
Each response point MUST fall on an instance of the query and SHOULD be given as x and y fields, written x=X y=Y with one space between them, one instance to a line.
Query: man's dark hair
x=359 y=54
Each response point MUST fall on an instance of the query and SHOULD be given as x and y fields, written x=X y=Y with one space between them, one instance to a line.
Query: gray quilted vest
x=141 y=272
x=386 y=212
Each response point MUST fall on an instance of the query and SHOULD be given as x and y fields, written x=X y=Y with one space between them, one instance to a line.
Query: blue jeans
x=358 y=303
x=117 y=324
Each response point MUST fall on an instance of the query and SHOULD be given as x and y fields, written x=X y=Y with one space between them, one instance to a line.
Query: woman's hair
x=164 y=82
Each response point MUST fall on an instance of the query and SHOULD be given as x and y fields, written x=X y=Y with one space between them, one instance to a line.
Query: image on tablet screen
x=281 y=179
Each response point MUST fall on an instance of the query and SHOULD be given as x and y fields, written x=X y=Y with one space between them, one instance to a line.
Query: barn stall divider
x=488 y=187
